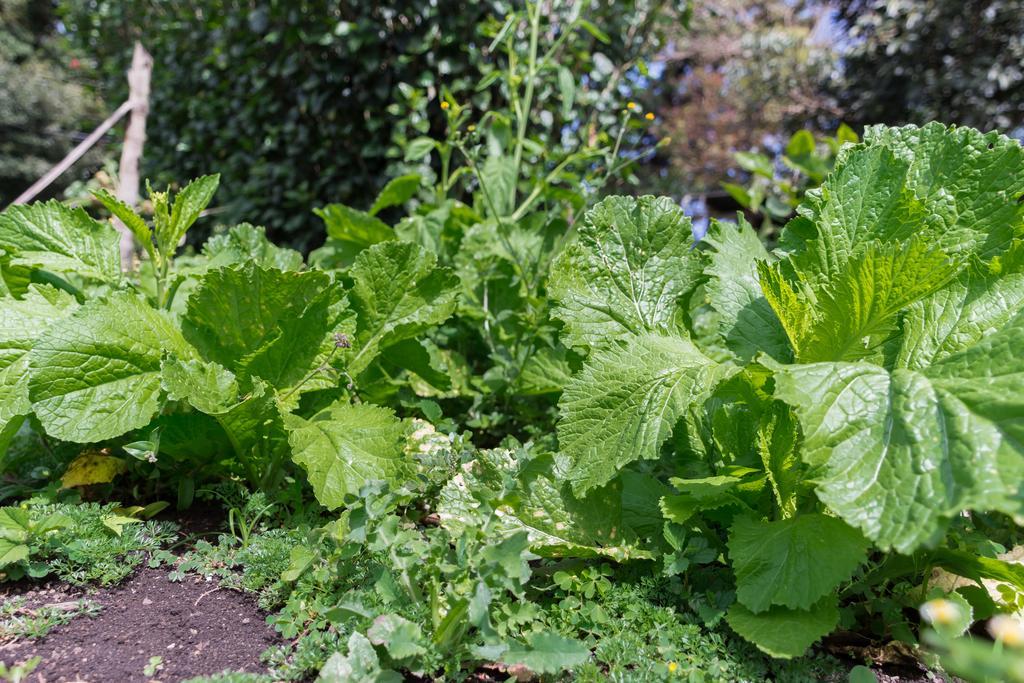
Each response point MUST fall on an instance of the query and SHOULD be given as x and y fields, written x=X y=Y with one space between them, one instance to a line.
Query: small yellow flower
x=649 y=116
x=631 y=106
x=445 y=106
x=672 y=666
x=471 y=128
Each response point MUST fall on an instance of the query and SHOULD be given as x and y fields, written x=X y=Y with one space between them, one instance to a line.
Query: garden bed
x=146 y=628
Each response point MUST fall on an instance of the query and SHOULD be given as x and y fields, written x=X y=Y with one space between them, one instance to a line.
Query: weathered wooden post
x=134 y=139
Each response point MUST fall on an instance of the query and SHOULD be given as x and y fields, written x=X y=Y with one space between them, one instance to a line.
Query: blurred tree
x=302 y=102
x=913 y=61
x=745 y=76
x=42 y=107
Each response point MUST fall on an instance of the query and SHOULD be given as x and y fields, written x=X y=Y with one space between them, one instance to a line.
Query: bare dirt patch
x=194 y=626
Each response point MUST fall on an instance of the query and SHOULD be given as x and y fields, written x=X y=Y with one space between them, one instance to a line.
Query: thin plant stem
x=524 y=110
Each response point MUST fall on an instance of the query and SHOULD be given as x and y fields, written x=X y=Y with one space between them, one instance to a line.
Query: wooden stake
x=74 y=155
x=134 y=139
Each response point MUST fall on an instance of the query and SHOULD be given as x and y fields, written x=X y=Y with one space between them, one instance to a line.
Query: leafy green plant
x=817 y=407
x=19 y=621
x=775 y=193
x=786 y=440
x=441 y=587
x=19 y=533
x=324 y=588
x=497 y=211
x=231 y=677
x=20 y=671
x=180 y=380
x=243 y=519
x=78 y=542
x=154 y=665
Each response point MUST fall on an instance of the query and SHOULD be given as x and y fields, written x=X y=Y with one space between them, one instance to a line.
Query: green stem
x=172 y=291
x=538 y=188
x=162 y=299
x=497 y=217
x=446 y=156
x=159 y=287
x=323 y=367
x=546 y=59
x=510 y=78
x=618 y=140
x=524 y=110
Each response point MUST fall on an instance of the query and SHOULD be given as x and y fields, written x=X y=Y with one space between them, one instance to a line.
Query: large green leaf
x=208 y=387
x=778 y=444
x=792 y=562
x=193 y=436
x=547 y=653
x=866 y=199
x=746 y=322
x=397 y=192
x=979 y=303
x=12 y=551
x=351 y=225
x=265 y=322
x=852 y=314
x=22 y=322
x=971 y=182
x=345 y=446
x=96 y=375
x=700 y=495
x=904 y=451
x=625 y=402
x=398 y=292
x=954 y=187
x=557 y=524
x=547 y=371
x=244 y=243
x=256 y=430
x=60 y=239
x=349 y=232
x=858 y=312
x=782 y=632
x=626 y=274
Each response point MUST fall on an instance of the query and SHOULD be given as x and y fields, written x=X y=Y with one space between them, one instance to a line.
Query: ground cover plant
x=528 y=430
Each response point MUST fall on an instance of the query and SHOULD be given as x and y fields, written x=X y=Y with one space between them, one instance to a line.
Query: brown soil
x=196 y=627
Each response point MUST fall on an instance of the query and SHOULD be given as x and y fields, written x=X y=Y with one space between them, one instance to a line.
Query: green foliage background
x=42 y=104
x=298 y=103
x=913 y=61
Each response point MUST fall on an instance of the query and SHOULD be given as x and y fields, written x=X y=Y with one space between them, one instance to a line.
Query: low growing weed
x=78 y=542
x=18 y=621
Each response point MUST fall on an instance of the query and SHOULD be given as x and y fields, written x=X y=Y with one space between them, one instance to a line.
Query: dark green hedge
x=43 y=107
x=297 y=103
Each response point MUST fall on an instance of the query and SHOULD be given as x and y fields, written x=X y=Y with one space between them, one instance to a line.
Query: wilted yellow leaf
x=92 y=467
